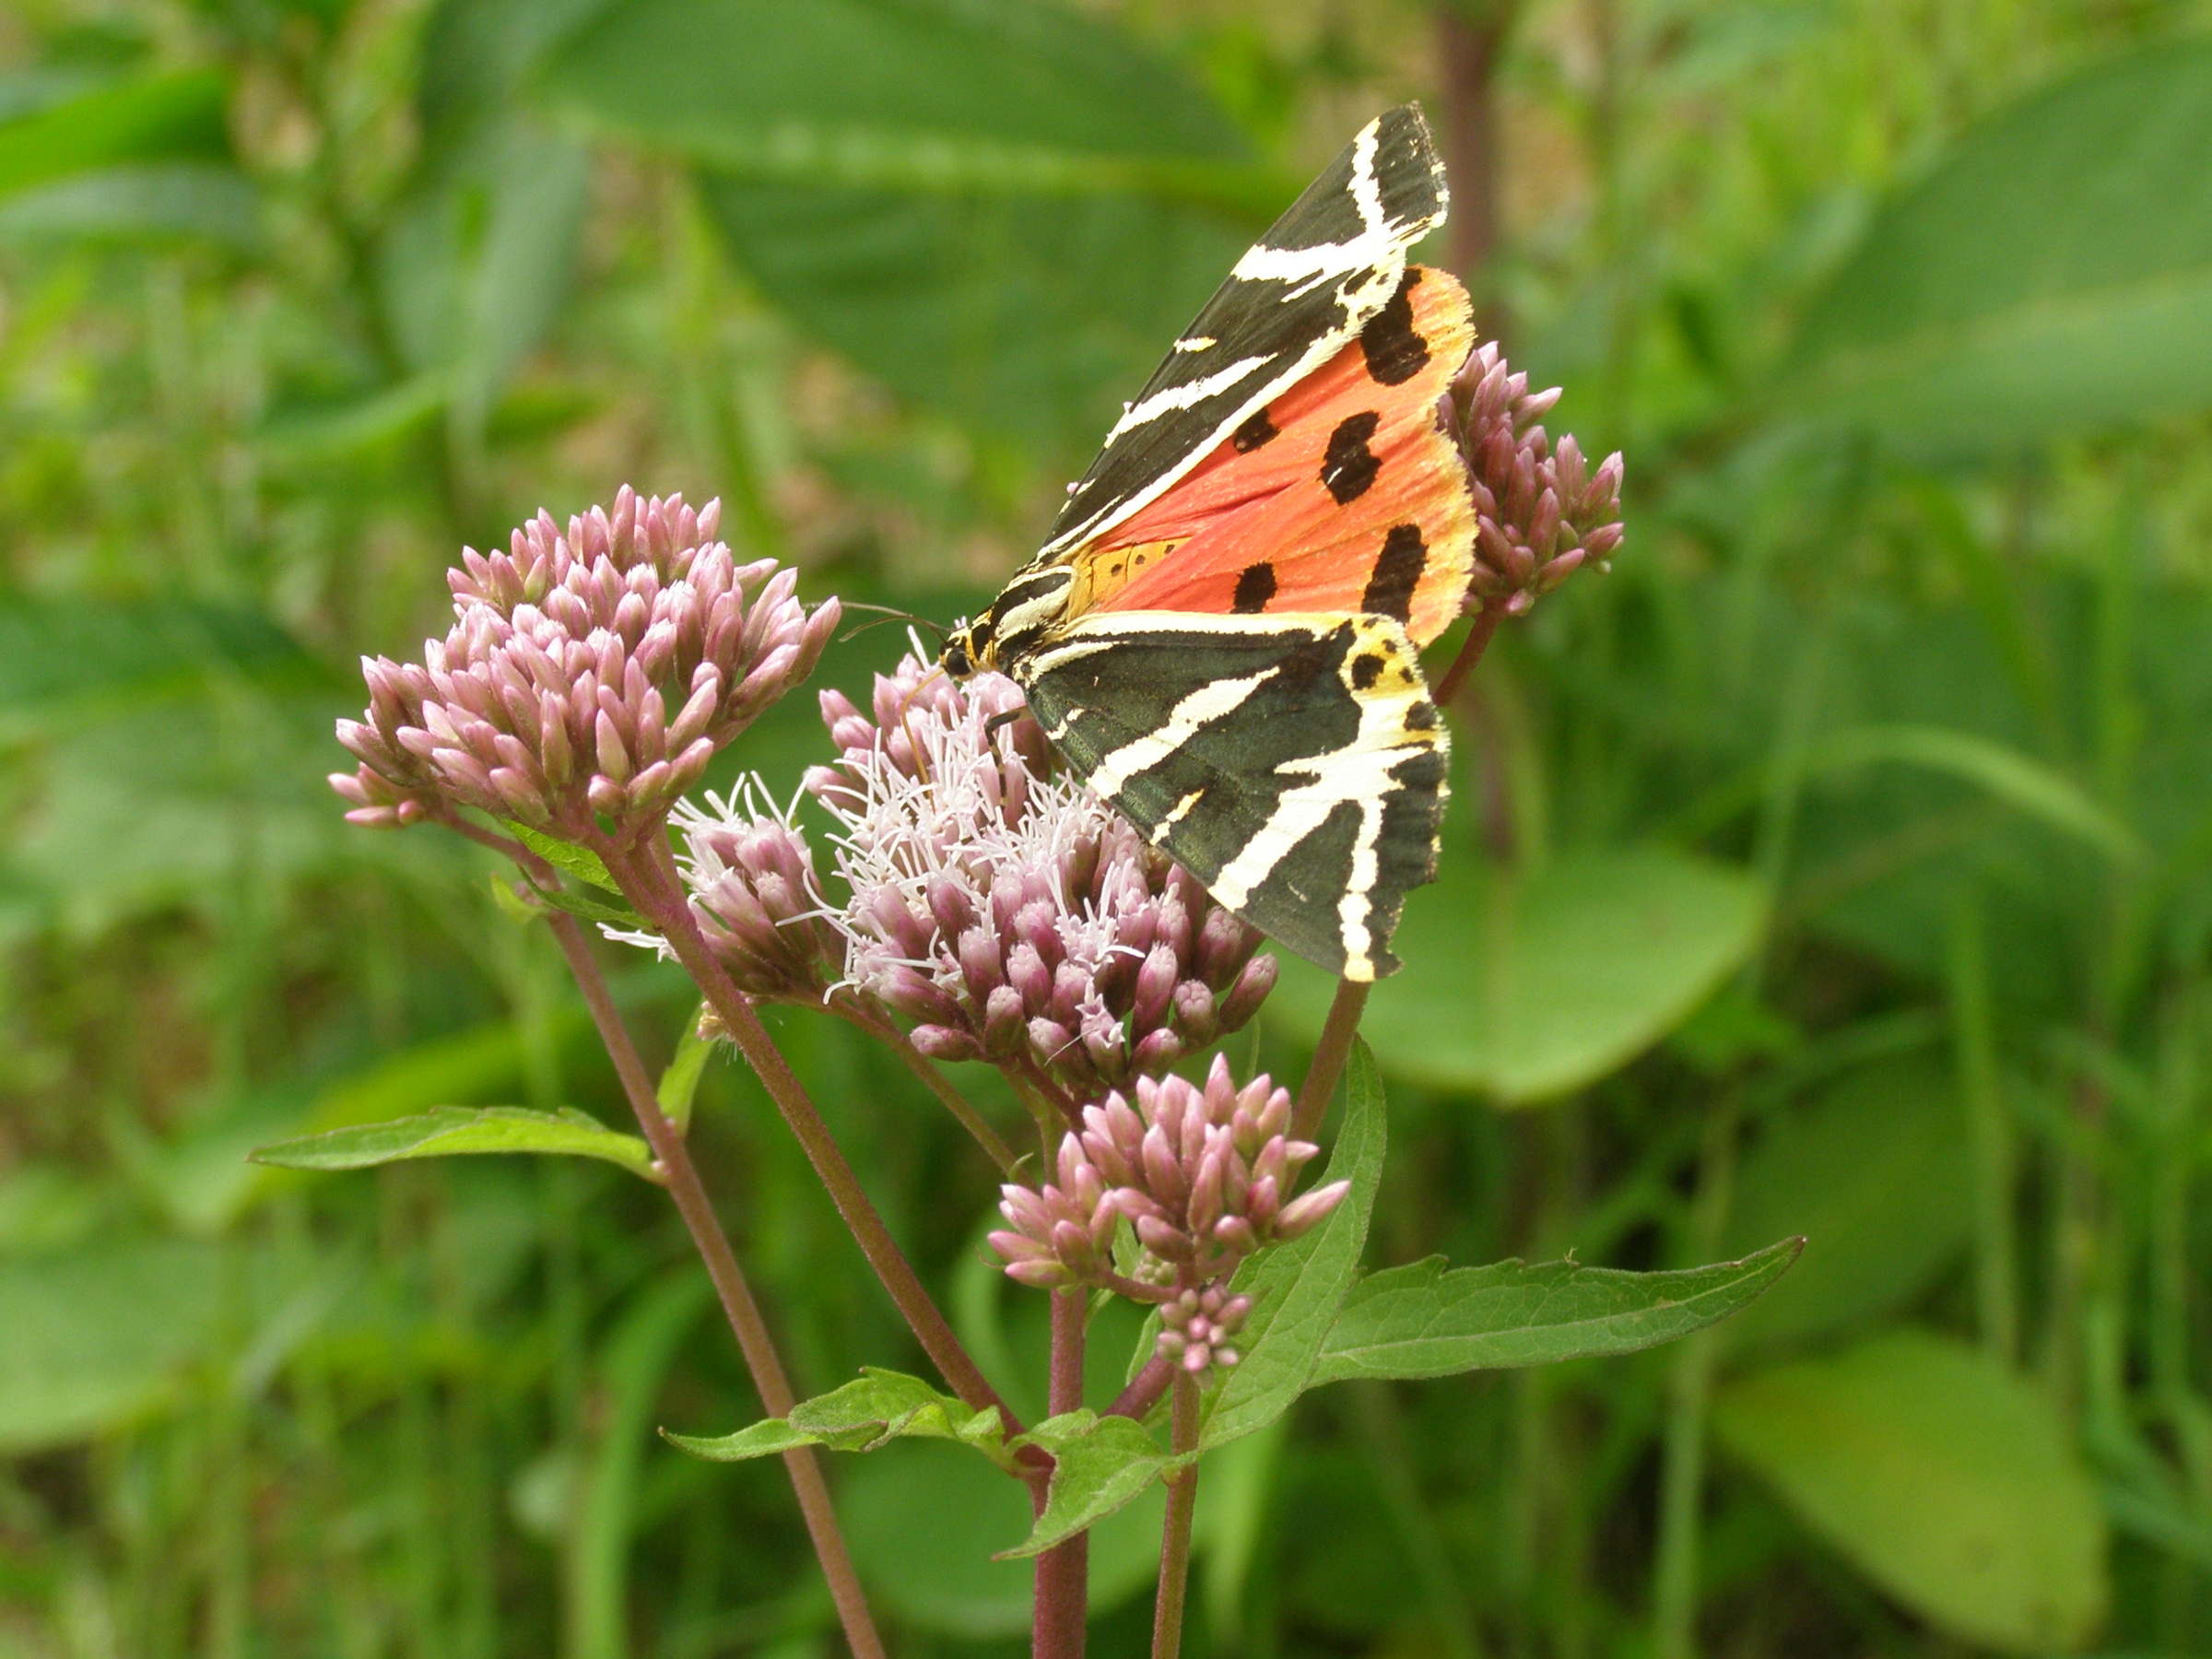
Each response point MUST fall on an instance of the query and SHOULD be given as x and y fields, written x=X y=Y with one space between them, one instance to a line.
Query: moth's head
x=959 y=656
x=969 y=647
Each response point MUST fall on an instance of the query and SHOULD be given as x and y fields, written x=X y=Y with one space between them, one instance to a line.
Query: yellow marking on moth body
x=1101 y=572
x=1197 y=343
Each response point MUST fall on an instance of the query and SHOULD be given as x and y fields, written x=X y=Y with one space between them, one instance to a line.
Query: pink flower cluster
x=1540 y=512
x=1003 y=908
x=589 y=676
x=1203 y=1176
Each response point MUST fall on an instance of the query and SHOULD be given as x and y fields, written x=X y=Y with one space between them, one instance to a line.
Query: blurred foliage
x=1839 y=864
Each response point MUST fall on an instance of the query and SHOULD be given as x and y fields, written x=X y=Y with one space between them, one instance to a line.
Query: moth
x=1220 y=634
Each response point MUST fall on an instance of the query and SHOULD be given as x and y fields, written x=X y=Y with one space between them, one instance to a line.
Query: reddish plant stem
x=747 y=1321
x=1175 y=1534
x=1470 y=41
x=1470 y=651
x=1144 y=1389
x=1343 y=1021
x=1060 y=1608
x=661 y=899
x=1054 y=1095
x=1329 y=1055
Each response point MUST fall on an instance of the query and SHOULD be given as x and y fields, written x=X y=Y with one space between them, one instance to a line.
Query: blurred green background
x=1840 y=864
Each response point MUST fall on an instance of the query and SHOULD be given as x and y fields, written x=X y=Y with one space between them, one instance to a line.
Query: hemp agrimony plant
x=969 y=904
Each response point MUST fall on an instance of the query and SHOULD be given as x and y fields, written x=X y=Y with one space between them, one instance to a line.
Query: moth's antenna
x=885 y=613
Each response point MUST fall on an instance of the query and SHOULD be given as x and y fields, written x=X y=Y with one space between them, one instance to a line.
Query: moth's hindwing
x=1299 y=295
x=1294 y=764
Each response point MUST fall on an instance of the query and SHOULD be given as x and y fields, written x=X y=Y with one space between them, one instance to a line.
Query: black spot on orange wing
x=1394 y=349
x=1255 y=586
x=1349 y=466
x=1397 y=572
x=1257 y=430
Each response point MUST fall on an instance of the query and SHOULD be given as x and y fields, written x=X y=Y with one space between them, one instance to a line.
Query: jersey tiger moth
x=1221 y=633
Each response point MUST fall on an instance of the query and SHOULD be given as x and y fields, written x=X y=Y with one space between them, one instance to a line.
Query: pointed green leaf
x=1423 y=1320
x=950 y=193
x=1527 y=983
x=452 y=1131
x=1949 y=1481
x=2020 y=781
x=565 y=856
x=585 y=910
x=679 y=1084
x=97 y=1334
x=169 y=117
x=876 y=1407
x=2051 y=273
x=1100 y=1464
x=1296 y=1288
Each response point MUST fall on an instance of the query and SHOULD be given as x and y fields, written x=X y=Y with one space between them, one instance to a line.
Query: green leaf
x=565 y=856
x=1425 y=1320
x=174 y=117
x=1526 y=984
x=477 y=261
x=873 y=1410
x=679 y=1087
x=923 y=1520
x=78 y=659
x=455 y=1131
x=1870 y=1171
x=476 y=54
x=1296 y=1288
x=2051 y=273
x=1948 y=1480
x=95 y=1337
x=953 y=194
x=356 y=423
x=1100 y=1463
x=2018 y=780
x=152 y=204
x=576 y=905
x=928 y=95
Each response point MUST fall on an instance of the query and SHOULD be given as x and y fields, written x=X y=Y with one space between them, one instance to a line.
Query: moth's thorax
x=1029 y=608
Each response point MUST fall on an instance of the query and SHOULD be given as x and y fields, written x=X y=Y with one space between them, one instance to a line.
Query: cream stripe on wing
x=1200 y=709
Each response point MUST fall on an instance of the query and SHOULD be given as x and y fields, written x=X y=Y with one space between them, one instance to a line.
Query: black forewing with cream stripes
x=1295 y=765
x=1297 y=296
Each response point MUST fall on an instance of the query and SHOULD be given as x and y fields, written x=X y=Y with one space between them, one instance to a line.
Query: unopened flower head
x=1203 y=1175
x=1006 y=909
x=750 y=876
x=589 y=676
x=1196 y=1327
x=1540 y=512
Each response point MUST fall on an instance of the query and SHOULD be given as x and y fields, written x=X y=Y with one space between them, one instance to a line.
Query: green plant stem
x=1060 y=1608
x=746 y=1323
x=658 y=896
x=1175 y=1532
x=1675 y=1591
x=1982 y=1091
